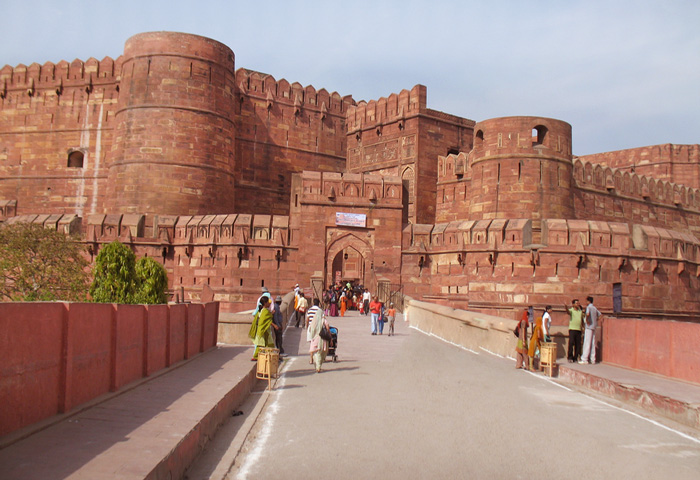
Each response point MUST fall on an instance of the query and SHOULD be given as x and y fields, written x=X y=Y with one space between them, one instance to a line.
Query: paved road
x=412 y=406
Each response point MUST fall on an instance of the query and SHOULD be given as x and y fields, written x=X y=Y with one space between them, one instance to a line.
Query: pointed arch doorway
x=348 y=258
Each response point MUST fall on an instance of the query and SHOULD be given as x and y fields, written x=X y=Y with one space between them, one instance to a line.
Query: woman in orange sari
x=535 y=342
x=343 y=304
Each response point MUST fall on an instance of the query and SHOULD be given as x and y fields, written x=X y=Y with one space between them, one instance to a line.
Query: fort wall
x=492 y=266
x=174 y=127
x=56 y=129
x=667 y=162
x=400 y=136
x=283 y=129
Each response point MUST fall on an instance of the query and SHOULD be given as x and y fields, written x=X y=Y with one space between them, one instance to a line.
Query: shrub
x=152 y=282
x=41 y=264
x=115 y=278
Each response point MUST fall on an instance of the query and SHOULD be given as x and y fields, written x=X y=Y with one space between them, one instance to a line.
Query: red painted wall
x=663 y=347
x=56 y=356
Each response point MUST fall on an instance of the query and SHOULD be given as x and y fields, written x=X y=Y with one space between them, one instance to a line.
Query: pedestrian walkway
x=153 y=430
x=157 y=427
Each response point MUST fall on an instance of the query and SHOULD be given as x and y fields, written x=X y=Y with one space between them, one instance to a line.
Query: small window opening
x=538 y=135
x=75 y=159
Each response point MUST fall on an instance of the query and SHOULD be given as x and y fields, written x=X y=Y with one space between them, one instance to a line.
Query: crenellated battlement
x=351 y=188
x=670 y=162
x=643 y=188
x=367 y=115
x=577 y=237
x=264 y=86
x=59 y=76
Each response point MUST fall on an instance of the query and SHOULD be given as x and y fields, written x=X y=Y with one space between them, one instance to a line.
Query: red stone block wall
x=521 y=167
x=672 y=163
x=399 y=136
x=174 y=141
x=604 y=193
x=283 y=129
x=324 y=195
x=47 y=113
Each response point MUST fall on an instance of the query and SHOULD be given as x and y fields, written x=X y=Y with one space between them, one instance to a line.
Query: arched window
x=75 y=159
x=538 y=135
x=479 y=138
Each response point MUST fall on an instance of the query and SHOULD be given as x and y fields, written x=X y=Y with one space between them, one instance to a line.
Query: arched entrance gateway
x=348 y=258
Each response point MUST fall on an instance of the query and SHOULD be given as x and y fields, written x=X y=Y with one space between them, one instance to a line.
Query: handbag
x=516 y=332
x=325 y=334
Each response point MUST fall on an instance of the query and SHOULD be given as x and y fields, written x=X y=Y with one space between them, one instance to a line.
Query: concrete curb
x=679 y=411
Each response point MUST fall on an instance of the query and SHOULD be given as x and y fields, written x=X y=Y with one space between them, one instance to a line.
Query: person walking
x=277 y=323
x=260 y=330
x=535 y=342
x=521 y=350
x=302 y=305
x=319 y=346
x=391 y=316
x=591 y=320
x=573 y=351
x=366 y=298
x=381 y=319
x=343 y=304
x=375 y=307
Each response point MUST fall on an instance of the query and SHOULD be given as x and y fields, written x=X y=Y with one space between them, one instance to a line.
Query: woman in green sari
x=261 y=330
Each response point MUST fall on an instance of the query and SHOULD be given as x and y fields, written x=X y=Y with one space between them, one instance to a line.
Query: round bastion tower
x=521 y=168
x=174 y=140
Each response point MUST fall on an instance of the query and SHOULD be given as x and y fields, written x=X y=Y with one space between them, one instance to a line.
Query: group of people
x=380 y=315
x=342 y=297
x=580 y=323
x=266 y=329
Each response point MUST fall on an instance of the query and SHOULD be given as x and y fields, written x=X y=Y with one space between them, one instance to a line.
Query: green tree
x=152 y=282
x=115 y=278
x=41 y=264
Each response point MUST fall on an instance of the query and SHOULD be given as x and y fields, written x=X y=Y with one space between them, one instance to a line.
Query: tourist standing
x=521 y=350
x=547 y=323
x=591 y=319
x=375 y=308
x=573 y=351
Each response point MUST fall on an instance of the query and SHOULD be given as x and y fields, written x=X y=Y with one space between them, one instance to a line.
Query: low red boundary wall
x=56 y=356
x=664 y=347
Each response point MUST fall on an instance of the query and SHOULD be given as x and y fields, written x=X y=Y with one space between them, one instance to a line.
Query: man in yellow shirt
x=575 y=328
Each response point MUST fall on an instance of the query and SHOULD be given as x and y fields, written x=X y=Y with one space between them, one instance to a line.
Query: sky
x=624 y=74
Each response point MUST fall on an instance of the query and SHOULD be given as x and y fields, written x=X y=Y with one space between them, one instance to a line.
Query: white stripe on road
x=253 y=455
x=443 y=340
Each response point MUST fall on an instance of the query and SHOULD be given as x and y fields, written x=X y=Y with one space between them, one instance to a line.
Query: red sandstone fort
x=236 y=180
